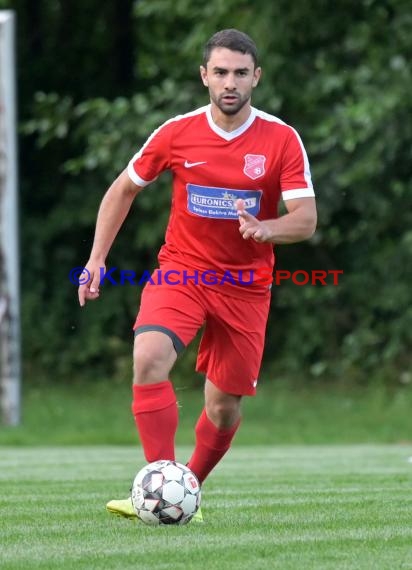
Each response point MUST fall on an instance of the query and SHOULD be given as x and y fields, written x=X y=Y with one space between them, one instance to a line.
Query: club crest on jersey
x=254 y=165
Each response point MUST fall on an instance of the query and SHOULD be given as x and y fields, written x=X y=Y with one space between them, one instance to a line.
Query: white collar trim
x=232 y=134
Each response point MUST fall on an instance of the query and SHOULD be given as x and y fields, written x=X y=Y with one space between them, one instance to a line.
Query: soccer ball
x=166 y=492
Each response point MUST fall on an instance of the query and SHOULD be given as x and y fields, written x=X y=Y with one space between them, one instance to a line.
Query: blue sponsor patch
x=211 y=202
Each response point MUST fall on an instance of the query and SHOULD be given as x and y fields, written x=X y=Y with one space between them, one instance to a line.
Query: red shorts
x=231 y=348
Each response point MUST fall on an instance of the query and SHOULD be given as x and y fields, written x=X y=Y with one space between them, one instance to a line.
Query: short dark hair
x=231 y=39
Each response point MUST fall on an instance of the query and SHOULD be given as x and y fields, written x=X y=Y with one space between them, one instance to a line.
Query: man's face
x=230 y=77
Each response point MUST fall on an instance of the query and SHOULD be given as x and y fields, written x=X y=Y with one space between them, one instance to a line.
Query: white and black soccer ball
x=166 y=492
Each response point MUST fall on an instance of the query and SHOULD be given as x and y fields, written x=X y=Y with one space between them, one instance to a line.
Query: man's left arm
x=298 y=224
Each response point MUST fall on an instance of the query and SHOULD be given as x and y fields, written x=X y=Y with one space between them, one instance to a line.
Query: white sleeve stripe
x=135 y=177
x=306 y=172
x=298 y=193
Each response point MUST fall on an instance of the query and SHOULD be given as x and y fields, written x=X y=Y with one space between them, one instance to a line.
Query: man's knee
x=223 y=415
x=222 y=409
x=153 y=357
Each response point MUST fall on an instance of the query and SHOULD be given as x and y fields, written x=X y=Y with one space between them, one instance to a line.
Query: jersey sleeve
x=295 y=178
x=153 y=158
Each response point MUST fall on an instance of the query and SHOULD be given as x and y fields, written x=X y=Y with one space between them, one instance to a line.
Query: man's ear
x=256 y=76
x=203 y=75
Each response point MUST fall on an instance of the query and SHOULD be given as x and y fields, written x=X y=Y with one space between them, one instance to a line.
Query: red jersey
x=259 y=162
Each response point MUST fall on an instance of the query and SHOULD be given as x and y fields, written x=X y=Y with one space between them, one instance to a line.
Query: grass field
x=96 y=413
x=266 y=507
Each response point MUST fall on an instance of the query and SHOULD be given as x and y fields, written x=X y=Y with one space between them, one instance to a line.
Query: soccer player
x=231 y=164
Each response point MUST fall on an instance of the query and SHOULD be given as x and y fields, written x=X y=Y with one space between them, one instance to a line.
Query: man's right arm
x=113 y=210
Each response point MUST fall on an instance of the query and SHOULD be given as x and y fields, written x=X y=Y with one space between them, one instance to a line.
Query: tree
x=340 y=76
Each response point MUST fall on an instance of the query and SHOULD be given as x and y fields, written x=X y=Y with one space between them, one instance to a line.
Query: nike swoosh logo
x=191 y=164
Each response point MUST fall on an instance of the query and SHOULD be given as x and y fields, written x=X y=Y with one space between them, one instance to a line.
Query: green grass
x=99 y=413
x=266 y=507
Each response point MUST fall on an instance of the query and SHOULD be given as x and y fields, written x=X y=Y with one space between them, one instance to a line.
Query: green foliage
x=340 y=76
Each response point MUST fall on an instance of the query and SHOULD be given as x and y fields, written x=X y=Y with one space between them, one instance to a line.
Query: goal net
x=9 y=256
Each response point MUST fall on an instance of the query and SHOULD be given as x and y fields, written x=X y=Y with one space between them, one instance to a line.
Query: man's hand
x=89 y=291
x=251 y=227
x=297 y=225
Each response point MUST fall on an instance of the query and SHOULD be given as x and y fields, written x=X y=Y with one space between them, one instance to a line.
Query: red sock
x=211 y=445
x=155 y=412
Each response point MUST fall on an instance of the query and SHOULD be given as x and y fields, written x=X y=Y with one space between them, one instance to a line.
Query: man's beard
x=231 y=109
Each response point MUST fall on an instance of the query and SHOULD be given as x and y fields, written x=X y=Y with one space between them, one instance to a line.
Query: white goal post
x=10 y=367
